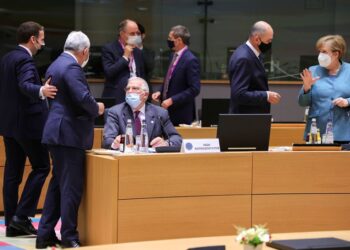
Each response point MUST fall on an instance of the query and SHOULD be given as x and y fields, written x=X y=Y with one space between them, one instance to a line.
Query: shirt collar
x=72 y=55
x=252 y=48
x=179 y=53
x=28 y=50
x=142 y=109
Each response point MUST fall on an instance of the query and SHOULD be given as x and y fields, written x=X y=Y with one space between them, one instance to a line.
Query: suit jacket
x=22 y=112
x=116 y=70
x=184 y=86
x=71 y=118
x=157 y=120
x=248 y=83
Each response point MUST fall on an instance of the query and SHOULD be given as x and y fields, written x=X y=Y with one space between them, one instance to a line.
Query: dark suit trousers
x=16 y=152
x=64 y=193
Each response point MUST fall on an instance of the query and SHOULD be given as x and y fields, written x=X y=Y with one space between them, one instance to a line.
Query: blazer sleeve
x=169 y=130
x=193 y=81
x=27 y=78
x=240 y=83
x=113 y=65
x=79 y=91
x=111 y=129
x=304 y=99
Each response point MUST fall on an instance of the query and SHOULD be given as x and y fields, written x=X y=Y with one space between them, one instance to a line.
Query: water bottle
x=129 y=138
x=144 y=137
x=306 y=113
x=329 y=132
x=313 y=131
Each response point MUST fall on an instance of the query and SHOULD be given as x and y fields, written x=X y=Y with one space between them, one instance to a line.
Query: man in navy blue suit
x=68 y=132
x=249 y=87
x=121 y=60
x=182 y=81
x=23 y=111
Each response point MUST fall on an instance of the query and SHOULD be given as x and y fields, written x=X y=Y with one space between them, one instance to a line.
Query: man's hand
x=101 y=108
x=128 y=50
x=273 y=97
x=156 y=96
x=159 y=142
x=116 y=142
x=49 y=90
x=167 y=103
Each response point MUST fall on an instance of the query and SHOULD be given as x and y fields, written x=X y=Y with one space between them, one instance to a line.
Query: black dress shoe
x=23 y=224
x=71 y=244
x=45 y=243
x=12 y=232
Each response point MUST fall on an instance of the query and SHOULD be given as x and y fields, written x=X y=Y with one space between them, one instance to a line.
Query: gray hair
x=77 y=41
x=182 y=32
x=144 y=86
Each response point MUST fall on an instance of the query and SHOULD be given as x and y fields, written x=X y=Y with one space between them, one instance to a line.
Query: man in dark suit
x=68 y=132
x=148 y=56
x=23 y=111
x=121 y=60
x=182 y=81
x=249 y=87
x=161 y=131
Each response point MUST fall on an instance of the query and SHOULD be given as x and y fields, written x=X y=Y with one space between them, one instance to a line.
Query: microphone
x=166 y=149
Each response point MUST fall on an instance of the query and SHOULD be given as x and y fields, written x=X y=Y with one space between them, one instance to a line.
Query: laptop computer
x=108 y=102
x=244 y=132
x=211 y=108
x=314 y=243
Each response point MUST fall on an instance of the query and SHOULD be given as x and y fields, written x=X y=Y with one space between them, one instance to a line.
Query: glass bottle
x=129 y=138
x=144 y=137
x=313 y=131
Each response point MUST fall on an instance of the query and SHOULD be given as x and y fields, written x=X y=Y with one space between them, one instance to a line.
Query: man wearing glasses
x=161 y=131
x=121 y=60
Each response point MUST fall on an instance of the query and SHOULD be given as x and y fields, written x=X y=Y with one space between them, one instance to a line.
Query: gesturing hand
x=308 y=79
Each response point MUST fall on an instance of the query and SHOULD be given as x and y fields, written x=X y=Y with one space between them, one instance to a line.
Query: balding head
x=128 y=28
x=261 y=28
x=261 y=33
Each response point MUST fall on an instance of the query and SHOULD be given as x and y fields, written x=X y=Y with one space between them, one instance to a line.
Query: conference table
x=228 y=241
x=145 y=197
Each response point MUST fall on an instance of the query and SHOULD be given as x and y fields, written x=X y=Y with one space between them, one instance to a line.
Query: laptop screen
x=211 y=108
x=244 y=132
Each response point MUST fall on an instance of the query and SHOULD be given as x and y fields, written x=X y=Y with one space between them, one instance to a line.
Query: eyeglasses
x=133 y=88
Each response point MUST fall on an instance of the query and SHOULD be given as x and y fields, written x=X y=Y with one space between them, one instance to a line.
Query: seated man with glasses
x=161 y=131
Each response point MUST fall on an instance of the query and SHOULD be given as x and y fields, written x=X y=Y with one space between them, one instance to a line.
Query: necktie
x=168 y=76
x=137 y=123
x=261 y=58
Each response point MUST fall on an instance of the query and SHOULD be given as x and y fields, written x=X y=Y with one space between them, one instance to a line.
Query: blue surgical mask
x=133 y=99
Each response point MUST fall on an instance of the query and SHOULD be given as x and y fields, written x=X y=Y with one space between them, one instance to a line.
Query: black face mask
x=171 y=44
x=40 y=50
x=264 y=47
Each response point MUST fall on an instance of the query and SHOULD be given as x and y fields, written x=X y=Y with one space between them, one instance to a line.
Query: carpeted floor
x=23 y=242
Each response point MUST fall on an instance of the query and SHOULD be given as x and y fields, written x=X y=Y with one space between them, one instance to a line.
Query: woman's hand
x=340 y=102
x=308 y=79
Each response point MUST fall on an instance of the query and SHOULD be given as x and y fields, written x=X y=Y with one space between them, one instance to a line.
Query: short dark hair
x=28 y=29
x=141 y=28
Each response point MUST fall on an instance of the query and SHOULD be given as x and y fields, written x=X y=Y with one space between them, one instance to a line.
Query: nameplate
x=200 y=145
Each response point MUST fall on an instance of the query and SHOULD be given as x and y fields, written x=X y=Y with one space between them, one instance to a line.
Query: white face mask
x=324 y=60
x=134 y=40
x=85 y=62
